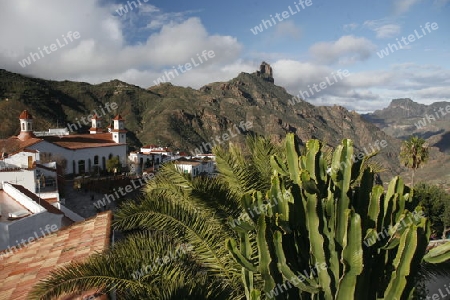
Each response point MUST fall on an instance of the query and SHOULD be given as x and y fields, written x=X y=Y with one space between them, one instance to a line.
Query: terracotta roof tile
x=20 y=271
x=25 y=115
x=14 y=145
x=73 y=142
x=81 y=141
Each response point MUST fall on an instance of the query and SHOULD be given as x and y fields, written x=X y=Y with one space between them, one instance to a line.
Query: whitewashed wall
x=83 y=154
x=27 y=227
x=26 y=178
x=21 y=159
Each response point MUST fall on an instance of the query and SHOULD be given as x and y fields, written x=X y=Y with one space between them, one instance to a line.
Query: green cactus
x=332 y=233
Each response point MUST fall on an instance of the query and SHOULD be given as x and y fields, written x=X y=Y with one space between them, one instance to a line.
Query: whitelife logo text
x=69 y=37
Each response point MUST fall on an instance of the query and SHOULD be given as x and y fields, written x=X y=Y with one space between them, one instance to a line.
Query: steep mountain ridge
x=184 y=118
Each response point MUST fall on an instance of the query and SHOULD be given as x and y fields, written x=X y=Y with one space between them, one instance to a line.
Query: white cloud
x=368 y=90
x=383 y=28
x=287 y=29
x=387 y=31
x=402 y=6
x=101 y=52
x=158 y=20
x=438 y=92
x=350 y=27
x=347 y=49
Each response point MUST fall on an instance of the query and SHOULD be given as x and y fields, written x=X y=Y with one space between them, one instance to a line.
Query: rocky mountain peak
x=265 y=72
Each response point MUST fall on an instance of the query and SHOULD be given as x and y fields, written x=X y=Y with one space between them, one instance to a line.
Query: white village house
x=195 y=167
x=81 y=152
x=29 y=198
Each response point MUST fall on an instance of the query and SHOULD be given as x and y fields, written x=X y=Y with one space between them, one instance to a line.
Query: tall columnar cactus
x=327 y=232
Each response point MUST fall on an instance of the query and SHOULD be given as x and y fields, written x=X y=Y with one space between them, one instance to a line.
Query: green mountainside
x=183 y=118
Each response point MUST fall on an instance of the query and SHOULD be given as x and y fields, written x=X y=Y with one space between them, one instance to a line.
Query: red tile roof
x=118 y=117
x=14 y=145
x=73 y=142
x=25 y=115
x=22 y=270
x=81 y=141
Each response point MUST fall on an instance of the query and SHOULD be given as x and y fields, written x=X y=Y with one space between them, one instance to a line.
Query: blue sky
x=142 y=44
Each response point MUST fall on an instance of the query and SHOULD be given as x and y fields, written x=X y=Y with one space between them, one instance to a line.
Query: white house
x=206 y=156
x=25 y=170
x=81 y=152
x=156 y=150
x=195 y=167
x=140 y=161
x=23 y=215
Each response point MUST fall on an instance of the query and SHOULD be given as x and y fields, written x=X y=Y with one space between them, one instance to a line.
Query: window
x=81 y=167
x=23 y=126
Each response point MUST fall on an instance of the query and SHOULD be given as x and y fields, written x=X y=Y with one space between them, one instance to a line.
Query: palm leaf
x=114 y=270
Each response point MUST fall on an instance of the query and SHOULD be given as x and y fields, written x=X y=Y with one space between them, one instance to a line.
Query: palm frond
x=116 y=269
x=248 y=172
x=205 y=234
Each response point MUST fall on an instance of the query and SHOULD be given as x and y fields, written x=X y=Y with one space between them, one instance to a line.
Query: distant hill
x=404 y=117
x=183 y=118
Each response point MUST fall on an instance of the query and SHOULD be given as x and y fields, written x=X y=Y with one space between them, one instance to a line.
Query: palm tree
x=175 y=210
x=132 y=269
x=413 y=154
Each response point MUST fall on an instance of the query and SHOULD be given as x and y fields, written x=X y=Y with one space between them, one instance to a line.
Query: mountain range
x=404 y=117
x=184 y=118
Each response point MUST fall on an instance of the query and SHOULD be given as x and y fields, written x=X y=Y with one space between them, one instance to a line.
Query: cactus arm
x=352 y=258
x=292 y=159
x=402 y=263
x=343 y=185
x=264 y=254
x=317 y=243
x=374 y=206
x=243 y=261
x=311 y=286
x=278 y=166
x=439 y=254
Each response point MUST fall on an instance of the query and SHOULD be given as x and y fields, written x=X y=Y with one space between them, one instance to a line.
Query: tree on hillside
x=436 y=203
x=413 y=154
